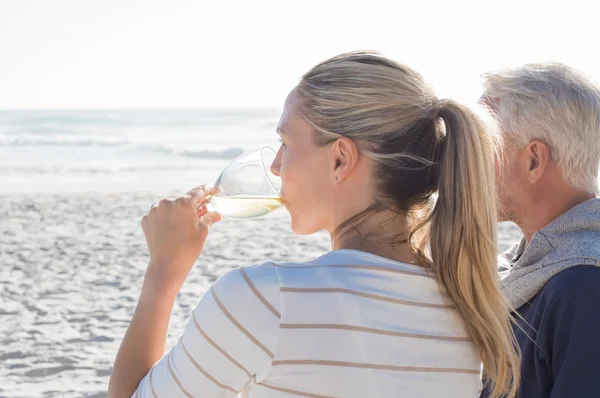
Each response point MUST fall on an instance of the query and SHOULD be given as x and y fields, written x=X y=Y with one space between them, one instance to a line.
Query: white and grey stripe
x=328 y=328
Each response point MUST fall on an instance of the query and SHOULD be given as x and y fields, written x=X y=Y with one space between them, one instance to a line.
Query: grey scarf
x=572 y=239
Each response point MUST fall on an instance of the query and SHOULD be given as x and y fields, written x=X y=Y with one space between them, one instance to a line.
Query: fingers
x=197 y=197
x=202 y=210
x=208 y=219
x=153 y=209
x=161 y=204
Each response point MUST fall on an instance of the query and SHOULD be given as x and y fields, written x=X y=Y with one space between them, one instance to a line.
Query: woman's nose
x=276 y=165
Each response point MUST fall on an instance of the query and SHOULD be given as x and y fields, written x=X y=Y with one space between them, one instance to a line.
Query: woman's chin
x=301 y=228
x=299 y=231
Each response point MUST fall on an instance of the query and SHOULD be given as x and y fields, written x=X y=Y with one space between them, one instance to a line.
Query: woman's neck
x=383 y=233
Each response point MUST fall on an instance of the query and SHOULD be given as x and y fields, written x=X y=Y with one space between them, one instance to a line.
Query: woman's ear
x=345 y=156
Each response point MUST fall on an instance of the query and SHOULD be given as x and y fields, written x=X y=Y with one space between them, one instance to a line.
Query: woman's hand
x=175 y=232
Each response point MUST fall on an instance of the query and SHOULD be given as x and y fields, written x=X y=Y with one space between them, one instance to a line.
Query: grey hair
x=556 y=104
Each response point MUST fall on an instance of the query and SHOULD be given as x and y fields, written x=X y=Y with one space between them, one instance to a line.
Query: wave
x=59 y=141
x=229 y=153
x=71 y=169
x=141 y=117
x=120 y=142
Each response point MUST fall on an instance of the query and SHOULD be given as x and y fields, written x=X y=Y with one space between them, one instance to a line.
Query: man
x=547 y=180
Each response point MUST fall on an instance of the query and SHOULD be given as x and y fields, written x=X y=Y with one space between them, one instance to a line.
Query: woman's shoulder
x=358 y=271
x=354 y=260
x=347 y=268
x=249 y=279
x=250 y=295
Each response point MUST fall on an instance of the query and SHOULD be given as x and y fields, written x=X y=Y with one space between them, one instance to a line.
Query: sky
x=183 y=53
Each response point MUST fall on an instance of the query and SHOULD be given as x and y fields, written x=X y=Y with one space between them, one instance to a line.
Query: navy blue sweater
x=563 y=359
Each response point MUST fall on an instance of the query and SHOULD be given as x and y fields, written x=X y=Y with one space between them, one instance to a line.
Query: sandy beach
x=71 y=271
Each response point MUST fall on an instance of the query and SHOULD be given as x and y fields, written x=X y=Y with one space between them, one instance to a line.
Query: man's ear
x=345 y=155
x=536 y=157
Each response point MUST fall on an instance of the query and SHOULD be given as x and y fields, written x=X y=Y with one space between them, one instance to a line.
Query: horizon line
x=190 y=108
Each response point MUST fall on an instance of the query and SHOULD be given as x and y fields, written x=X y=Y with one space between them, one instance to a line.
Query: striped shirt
x=347 y=324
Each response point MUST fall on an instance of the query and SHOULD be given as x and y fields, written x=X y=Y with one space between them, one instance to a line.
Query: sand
x=71 y=268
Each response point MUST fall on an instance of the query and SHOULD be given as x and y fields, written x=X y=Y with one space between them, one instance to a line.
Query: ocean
x=54 y=151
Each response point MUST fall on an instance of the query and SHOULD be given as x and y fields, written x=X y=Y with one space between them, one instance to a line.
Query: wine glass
x=246 y=187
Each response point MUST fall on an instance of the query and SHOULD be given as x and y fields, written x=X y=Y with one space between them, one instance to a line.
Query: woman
x=366 y=148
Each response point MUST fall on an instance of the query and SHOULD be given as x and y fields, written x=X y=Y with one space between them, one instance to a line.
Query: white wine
x=245 y=206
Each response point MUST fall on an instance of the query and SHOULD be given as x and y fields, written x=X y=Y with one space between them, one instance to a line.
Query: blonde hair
x=398 y=122
x=556 y=104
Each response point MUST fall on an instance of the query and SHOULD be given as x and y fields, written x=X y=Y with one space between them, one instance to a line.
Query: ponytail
x=387 y=109
x=461 y=234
